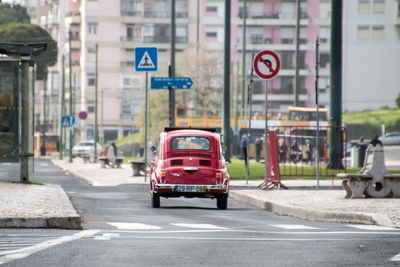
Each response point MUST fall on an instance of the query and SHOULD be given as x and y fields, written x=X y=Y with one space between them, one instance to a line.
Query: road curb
x=311 y=214
x=72 y=222
x=73 y=173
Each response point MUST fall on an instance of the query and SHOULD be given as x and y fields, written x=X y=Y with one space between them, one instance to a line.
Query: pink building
x=118 y=27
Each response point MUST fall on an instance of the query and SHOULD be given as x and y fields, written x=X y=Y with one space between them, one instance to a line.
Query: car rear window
x=190 y=143
x=86 y=144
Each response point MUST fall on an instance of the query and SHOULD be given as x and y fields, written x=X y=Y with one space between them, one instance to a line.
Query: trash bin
x=361 y=147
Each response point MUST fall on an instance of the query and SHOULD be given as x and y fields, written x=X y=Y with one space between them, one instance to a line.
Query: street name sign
x=266 y=64
x=173 y=82
x=146 y=58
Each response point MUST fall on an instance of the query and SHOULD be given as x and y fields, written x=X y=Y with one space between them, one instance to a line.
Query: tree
x=158 y=115
x=398 y=101
x=29 y=33
x=206 y=93
x=13 y=13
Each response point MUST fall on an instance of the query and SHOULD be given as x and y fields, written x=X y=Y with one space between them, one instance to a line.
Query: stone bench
x=104 y=161
x=373 y=180
x=137 y=167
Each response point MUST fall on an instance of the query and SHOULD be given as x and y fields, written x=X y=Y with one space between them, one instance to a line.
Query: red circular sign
x=83 y=115
x=266 y=64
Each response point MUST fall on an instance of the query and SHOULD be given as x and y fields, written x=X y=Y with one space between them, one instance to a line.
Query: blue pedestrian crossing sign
x=146 y=58
x=67 y=121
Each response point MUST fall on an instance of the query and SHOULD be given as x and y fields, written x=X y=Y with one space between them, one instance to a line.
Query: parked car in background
x=85 y=149
x=392 y=138
x=189 y=163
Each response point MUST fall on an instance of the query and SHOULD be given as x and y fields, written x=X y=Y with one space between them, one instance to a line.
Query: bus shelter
x=16 y=109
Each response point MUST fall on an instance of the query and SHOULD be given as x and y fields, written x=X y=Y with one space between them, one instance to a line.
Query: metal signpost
x=266 y=65
x=146 y=60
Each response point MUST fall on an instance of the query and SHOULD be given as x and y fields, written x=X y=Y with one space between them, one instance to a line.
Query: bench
x=137 y=167
x=104 y=161
x=373 y=180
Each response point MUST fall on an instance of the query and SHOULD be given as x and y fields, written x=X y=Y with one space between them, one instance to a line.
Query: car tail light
x=218 y=177
x=163 y=177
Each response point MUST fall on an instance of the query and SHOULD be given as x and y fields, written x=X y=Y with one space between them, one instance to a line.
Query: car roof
x=185 y=132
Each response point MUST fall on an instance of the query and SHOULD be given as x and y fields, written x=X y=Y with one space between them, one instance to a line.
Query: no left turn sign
x=266 y=64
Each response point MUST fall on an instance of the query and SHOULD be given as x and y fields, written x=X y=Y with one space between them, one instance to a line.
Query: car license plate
x=190 y=188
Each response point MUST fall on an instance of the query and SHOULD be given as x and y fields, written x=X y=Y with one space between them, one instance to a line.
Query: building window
x=363 y=32
x=363 y=6
x=287 y=85
x=92 y=28
x=181 y=33
x=378 y=6
x=127 y=107
x=130 y=82
x=91 y=79
x=378 y=32
x=257 y=87
x=90 y=109
x=92 y=4
x=211 y=32
x=324 y=60
x=211 y=8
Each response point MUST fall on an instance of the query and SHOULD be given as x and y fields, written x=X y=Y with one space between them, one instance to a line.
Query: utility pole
x=70 y=98
x=62 y=108
x=44 y=128
x=171 y=92
x=244 y=74
x=297 y=78
x=335 y=120
x=95 y=103
x=226 y=97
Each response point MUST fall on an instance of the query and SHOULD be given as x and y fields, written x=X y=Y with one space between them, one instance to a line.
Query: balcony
x=136 y=13
x=74 y=18
x=274 y=18
x=156 y=14
x=127 y=66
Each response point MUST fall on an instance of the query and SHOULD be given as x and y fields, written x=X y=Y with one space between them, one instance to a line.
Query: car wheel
x=222 y=202
x=155 y=200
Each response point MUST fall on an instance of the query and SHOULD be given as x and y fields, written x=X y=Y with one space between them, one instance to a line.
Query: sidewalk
x=29 y=205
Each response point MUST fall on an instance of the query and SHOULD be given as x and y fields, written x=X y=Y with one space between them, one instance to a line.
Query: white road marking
x=199 y=226
x=372 y=227
x=44 y=165
x=134 y=226
x=294 y=226
x=106 y=236
x=8 y=256
x=396 y=258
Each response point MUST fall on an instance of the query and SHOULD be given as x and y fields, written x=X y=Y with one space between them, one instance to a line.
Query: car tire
x=222 y=202
x=155 y=200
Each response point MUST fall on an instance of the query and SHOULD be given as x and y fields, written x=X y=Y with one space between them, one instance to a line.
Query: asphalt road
x=121 y=229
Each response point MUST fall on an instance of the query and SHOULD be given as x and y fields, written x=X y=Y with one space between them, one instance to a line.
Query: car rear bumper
x=172 y=190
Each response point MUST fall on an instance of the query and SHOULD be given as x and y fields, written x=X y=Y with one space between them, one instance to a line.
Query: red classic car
x=189 y=163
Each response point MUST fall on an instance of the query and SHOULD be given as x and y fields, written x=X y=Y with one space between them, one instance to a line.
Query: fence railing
x=297 y=150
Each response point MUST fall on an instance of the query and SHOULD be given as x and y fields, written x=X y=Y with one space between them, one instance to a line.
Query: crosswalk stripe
x=134 y=226
x=199 y=226
x=372 y=227
x=294 y=226
x=396 y=258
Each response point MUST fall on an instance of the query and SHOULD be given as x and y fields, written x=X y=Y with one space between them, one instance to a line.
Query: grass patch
x=389 y=117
